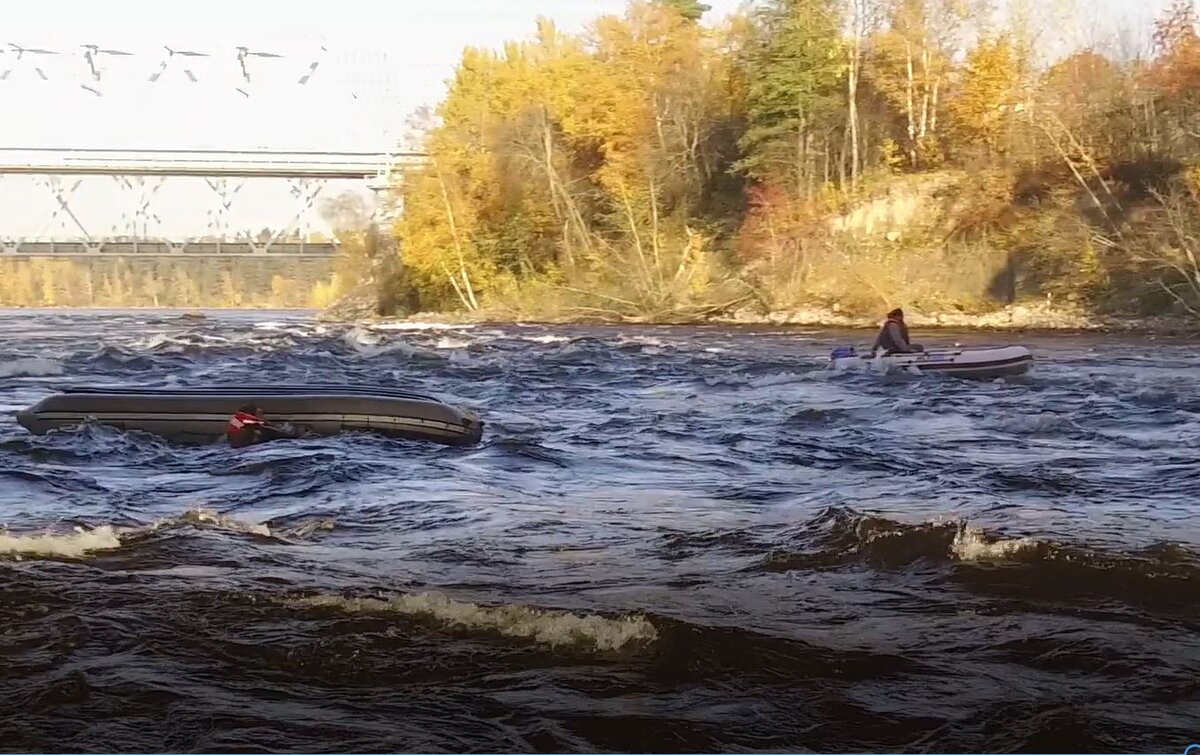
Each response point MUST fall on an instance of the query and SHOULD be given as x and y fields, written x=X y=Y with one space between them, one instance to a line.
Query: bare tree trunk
x=858 y=22
x=654 y=230
x=467 y=293
x=924 y=128
x=912 y=123
x=809 y=168
x=1066 y=157
x=843 y=153
x=800 y=153
x=852 y=113
x=633 y=231
x=658 y=123
x=548 y=163
x=933 y=110
x=825 y=142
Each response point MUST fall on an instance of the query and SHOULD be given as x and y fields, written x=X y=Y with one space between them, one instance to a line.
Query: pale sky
x=381 y=60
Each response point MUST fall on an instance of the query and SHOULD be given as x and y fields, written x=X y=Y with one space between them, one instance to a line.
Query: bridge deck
x=208 y=163
x=147 y=249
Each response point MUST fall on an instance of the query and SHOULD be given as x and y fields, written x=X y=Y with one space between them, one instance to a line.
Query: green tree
x=692 y=10
x=793 y=72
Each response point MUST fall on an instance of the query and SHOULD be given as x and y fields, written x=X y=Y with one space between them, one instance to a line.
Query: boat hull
x=976 y=364
x=201 y=414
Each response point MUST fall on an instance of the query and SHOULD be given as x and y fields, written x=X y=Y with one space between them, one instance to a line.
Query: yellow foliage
x=580 y=157
x=109 y=282
x=1193 y=179
x=890 y=154
x=990 y=93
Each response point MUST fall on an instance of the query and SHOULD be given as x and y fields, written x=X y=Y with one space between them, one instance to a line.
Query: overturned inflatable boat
x=979 y=364
x=201 y=414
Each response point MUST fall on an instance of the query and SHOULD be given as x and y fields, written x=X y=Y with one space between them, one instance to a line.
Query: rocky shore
x=1013 y=318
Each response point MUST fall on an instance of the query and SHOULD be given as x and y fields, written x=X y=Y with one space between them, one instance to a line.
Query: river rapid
x=670 y=539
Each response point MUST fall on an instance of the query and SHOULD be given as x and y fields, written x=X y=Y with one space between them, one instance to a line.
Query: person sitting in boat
x=893 y=336
x=248 y=427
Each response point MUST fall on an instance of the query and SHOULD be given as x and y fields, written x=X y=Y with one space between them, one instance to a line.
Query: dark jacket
x=893 y=338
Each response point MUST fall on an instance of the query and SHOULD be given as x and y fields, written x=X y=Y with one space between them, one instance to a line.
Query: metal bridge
x=61 y=201
x=139 y=176
x=209 y=163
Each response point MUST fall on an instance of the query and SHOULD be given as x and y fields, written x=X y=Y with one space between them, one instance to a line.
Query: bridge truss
x=53 y=186
x=72 y=202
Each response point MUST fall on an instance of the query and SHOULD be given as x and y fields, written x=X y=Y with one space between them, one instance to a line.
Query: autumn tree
x=1174 y=76
x=793 y=104
x=911 y=65
x=1085 y=91
x=989 y=95
x=862 y=21
x=647 y=166
x=585 y=160
x=1176 y=70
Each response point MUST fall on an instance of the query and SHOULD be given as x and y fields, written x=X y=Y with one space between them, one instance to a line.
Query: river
x=670 y=539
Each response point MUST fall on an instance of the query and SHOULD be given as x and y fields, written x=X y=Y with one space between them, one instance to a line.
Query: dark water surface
x=670 y=539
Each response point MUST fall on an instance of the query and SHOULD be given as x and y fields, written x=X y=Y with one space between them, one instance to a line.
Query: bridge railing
x=212 y=163
x=184 y=249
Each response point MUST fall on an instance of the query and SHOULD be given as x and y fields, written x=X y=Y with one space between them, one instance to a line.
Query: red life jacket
x=239 y=422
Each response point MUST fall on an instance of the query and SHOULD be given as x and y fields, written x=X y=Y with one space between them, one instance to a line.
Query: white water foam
x=371 y=345
x=554 y=628
x=778 y=378
x=66 y=545
x=309 y=528
x=419 y=326
x=81 y=542
x=970 y=544
x=213 y=519
x=640 y=341
x=446 y=342
x=1045 y=422
x=31 y=367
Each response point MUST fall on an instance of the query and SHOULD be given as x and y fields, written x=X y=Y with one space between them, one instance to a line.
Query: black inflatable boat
x=201 y=414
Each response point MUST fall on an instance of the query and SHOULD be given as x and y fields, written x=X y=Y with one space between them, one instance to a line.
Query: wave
x=81 y=542
x=973 y=544
x=370 y=346
x=546 y=339
x=1164 y=574
x=210 y=519
x=544 y=626
x=116 y=358
x=74 y=544
x=446 y=342
x=418 y=326
x=31 y=367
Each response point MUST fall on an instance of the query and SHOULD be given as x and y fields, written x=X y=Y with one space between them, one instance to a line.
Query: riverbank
x=1028 y=318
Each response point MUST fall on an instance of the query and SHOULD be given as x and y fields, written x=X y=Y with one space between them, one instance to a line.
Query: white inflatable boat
x=979 y=364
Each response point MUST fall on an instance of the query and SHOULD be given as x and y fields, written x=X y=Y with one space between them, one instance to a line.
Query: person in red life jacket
x=247 y=427
x=893 y=336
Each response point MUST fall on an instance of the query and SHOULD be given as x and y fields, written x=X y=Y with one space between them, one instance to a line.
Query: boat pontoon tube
x=980 y=364
x=201 y=414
